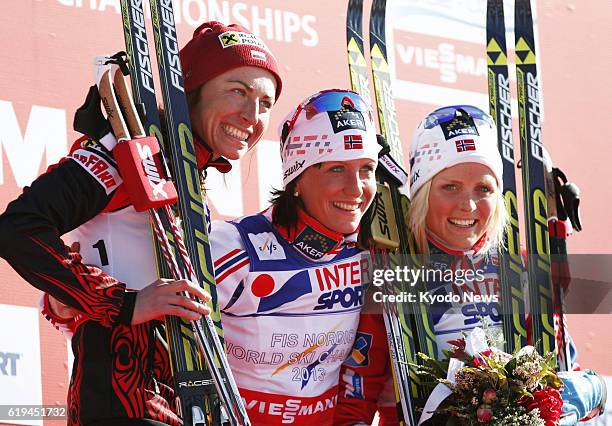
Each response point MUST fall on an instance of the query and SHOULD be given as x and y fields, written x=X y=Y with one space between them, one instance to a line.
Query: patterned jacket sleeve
x=365 y=384
x=68 y=195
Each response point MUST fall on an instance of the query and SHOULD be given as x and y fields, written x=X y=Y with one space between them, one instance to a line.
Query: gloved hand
x=88 y=119
x=584 y=396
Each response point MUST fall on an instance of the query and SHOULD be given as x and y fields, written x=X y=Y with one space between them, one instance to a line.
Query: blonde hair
x=417 y=220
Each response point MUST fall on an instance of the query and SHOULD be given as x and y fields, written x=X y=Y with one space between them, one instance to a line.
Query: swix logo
x=348 y=275
x=392 y=167
x=381 y=216
x=8 y=363
x=142 y=47
x=171 y=44
x=99 y=168
x=287 y=411
x=415 y=176
x=389 y=164
x=292 y=169
x=150 y=169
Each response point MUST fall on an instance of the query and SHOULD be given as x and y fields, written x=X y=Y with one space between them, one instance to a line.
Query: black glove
x=88 y=119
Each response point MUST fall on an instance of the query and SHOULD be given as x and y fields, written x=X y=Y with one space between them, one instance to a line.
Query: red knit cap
x=216 y=48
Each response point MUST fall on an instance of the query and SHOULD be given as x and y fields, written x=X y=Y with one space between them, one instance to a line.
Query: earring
x=296 y=194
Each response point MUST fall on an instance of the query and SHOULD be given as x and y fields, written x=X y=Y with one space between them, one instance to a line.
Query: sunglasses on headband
x=326 y=101
x=449 y=113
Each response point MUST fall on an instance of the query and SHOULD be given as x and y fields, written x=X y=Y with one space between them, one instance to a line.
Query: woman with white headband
x=289 y=279
x=457 y=217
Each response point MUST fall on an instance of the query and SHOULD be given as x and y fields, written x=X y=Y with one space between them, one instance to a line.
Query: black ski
x=511 y=265
x=198 y=402
x=534 y=187
x=390 y=130
x=408 y=330
x=186 y=363
x=405 y=384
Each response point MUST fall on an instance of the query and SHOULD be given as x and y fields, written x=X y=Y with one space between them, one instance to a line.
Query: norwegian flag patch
x=353 y=142
x=465 y=145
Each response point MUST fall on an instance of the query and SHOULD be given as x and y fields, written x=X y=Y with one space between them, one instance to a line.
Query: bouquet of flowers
x=492 y=387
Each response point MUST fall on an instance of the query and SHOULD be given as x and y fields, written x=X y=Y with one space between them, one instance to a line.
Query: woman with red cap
x=110 y=296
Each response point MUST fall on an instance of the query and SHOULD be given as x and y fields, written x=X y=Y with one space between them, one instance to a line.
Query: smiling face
x=462 y=201
x=233 y=110
x=337 y=193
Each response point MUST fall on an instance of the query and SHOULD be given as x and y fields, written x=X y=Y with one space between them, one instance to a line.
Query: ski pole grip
x=142 y=172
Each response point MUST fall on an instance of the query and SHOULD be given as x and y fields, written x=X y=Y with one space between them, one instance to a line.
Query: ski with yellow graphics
x=391 y=240
x=402 y=343
x=422 y=323
x=390 y=130
x=511 y=265
x=534 y=187
x=206 y=391
x=198 y=404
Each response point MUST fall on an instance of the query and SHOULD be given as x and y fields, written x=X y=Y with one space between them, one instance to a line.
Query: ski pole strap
x=391 y=167
x=393 y=170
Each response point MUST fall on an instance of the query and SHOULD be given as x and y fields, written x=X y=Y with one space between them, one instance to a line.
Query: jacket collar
x=204 y=157
x=313 y=239
x=474 y=251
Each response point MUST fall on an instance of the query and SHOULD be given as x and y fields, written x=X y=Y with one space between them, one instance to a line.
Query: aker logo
x=360 y=354
x=292 y=169
x=100 y=168
x=346 y=118
x=313 y=244
x=8 y=363
x=267 y=246
x=459 y=126
x=236 y=38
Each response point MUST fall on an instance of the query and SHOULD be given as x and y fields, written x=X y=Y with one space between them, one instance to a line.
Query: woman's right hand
x=160 y=299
